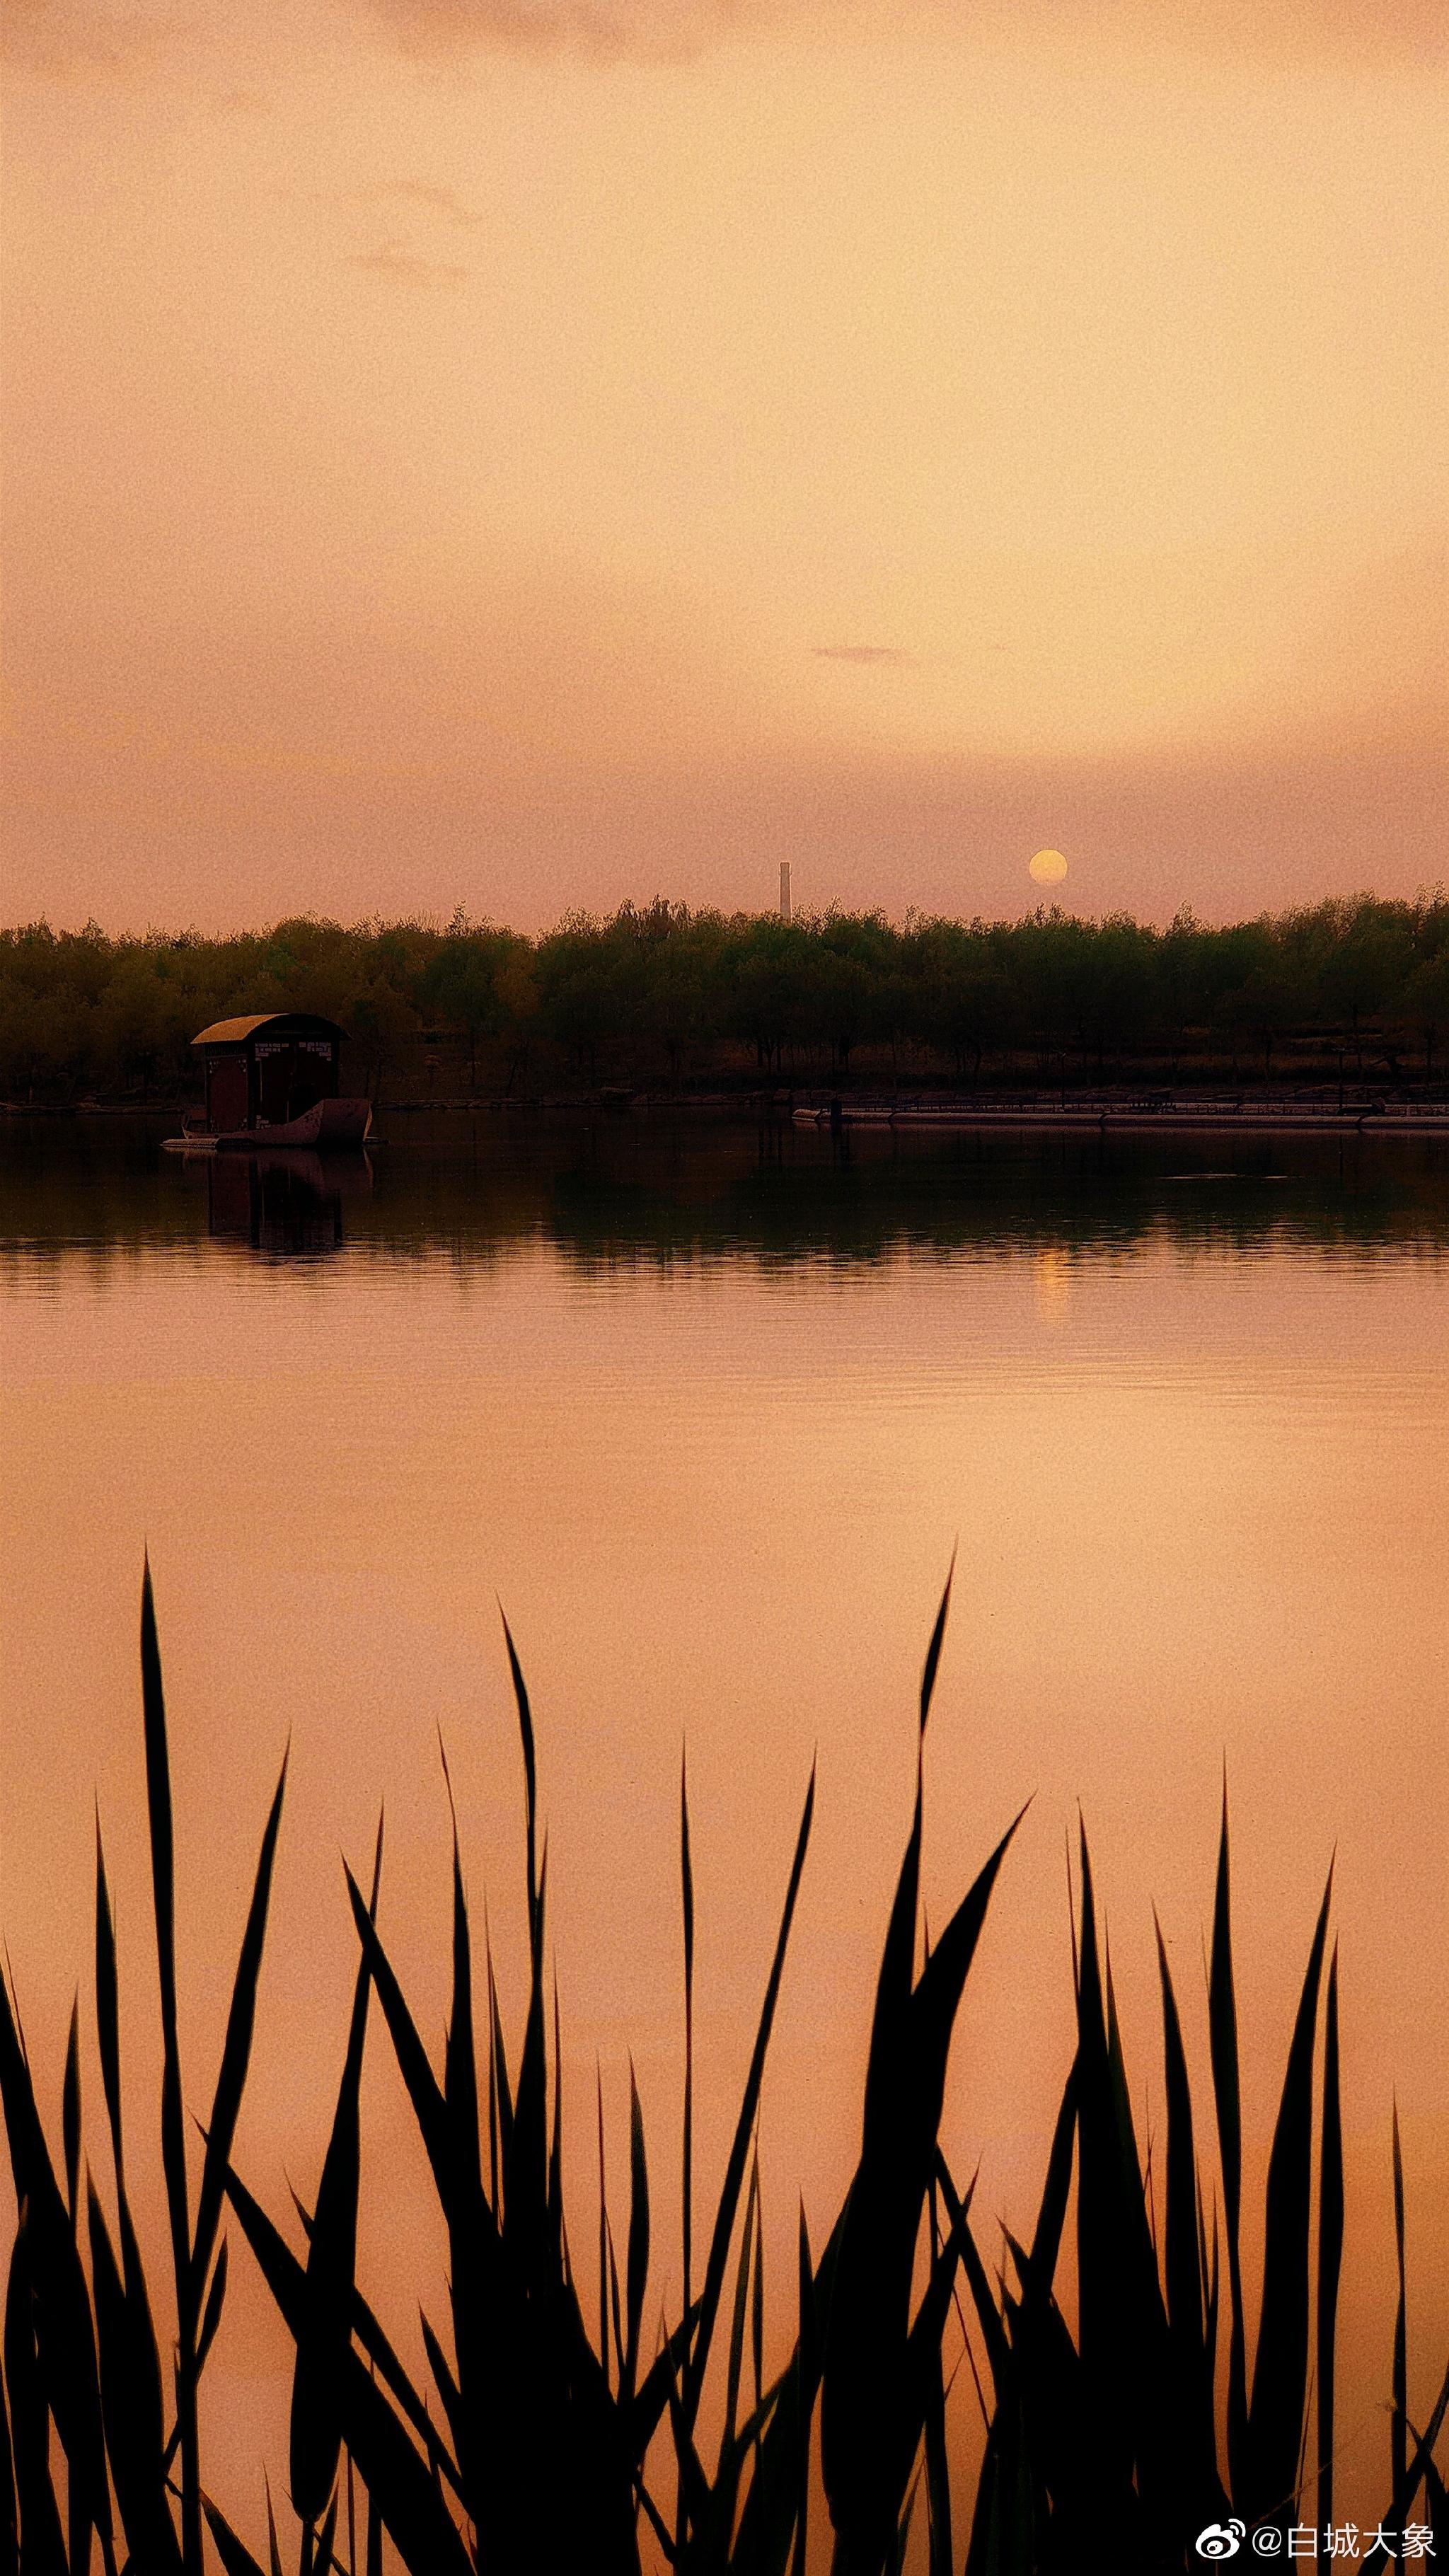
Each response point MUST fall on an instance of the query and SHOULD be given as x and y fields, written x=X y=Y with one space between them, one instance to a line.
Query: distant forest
x=668 y=998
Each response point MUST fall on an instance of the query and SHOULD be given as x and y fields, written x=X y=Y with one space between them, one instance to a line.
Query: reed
x=550 y=2436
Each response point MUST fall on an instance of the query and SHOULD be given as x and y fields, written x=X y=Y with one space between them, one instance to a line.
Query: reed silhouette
x=549 y=2437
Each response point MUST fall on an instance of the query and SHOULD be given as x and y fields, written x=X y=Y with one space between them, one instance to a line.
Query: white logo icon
x=1221 y=2539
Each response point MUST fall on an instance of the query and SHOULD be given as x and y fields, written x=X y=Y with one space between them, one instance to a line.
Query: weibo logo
x=1221 y=2539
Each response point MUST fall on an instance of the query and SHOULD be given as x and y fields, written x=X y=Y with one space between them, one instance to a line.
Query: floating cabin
x=268 y=1070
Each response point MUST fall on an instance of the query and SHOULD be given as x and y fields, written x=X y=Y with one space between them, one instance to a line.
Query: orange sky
x=530 y=452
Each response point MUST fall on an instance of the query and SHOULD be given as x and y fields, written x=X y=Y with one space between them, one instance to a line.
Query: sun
x=1047 y=868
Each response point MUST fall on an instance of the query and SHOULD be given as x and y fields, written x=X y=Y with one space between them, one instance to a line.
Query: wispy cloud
x=424 y=194
x=445 y=203
x=60 y=39
x=610 y=30
x=891 y=653
x=161 y=38
x=394 y=259
x=603 y=30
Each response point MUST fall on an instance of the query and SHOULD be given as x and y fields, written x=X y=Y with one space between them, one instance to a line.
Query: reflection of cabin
x=274 y=1202
x=270 y=1068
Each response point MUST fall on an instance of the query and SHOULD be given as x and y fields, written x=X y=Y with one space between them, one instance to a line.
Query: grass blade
x=211 y=2319
x=1330 y=2246
x=933 y=1651
x=1056 y=2192
x=422 y=2531
x=236 y=2558
x=866 y=2409
x=757 y=2297
x=1123 y=2333
x=744 y=2126
x=686 y=1883
x=1191 y=2401
x=9 y=2508
x=637 y=2256
x=1395 y=2513
x=43 y=2546
x=236 y=2049
x=325 y=2331
x=555 y=2152
x=131 y=2405
x=1399 y=2425
x=1223 y=2038
x=500 y=2096
x=735 y=2361
x=460 y=2063
x=1181 y=2266
x=386 y=2366
x=1280 y=2369
x=808 y=2354
x=603 y=2229
x=173 y=2131
x=530 y=1768
x=108 y=2012
x=447 y=2387
x=58 y=2305
x=424 y=2091
x=71 y=2117
x=938 y=2477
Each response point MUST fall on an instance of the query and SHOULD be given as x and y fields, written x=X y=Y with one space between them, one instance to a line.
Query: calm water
x=708 y=1407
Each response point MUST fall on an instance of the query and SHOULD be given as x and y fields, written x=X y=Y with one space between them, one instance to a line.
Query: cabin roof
x=292 y=1023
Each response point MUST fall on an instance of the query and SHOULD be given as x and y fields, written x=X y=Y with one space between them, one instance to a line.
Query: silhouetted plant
x=548 y=2437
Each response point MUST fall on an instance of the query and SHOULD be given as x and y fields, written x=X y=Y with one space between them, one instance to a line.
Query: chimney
x=784 y=889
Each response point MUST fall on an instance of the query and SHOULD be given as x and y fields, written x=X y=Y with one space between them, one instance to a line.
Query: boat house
x=268 y=1070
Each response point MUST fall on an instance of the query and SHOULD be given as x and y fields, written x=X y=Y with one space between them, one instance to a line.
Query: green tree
x=459 y=986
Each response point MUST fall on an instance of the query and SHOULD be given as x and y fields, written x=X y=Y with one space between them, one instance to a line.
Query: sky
x=537 y=453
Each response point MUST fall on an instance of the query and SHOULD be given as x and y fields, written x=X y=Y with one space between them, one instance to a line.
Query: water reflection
x=663 y=1190
x=282 y=1202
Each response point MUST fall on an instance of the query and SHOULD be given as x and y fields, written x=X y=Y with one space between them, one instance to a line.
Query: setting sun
x=1048 y=868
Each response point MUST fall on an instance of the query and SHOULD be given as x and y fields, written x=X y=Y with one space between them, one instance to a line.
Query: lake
x=707 y=1406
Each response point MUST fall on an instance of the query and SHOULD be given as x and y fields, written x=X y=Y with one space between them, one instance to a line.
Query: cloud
x=664 y=30
x=866 y=653
x=59 y=39
x=444 y=203
x=394 y=259
x=603 y=30
x=76 y=38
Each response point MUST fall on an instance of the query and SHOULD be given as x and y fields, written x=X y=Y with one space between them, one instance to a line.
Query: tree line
x=666 y=994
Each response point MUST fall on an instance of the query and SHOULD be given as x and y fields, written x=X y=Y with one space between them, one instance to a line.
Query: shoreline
x=1139 y=1118
x=1121 y=1113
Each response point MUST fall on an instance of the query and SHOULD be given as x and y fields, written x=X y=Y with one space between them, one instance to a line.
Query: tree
x=517 y=992
x=459 y=986
x=1427 y=1003
x=379 y=1020
x=1271 y=998
x=769 y=984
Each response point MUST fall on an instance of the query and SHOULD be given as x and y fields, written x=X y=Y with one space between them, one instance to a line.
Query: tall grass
x=552 y=2434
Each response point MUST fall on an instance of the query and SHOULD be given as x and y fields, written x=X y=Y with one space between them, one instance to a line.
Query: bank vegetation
x=666 y=997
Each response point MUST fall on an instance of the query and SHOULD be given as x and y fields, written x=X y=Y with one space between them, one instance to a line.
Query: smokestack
x=784 y=889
